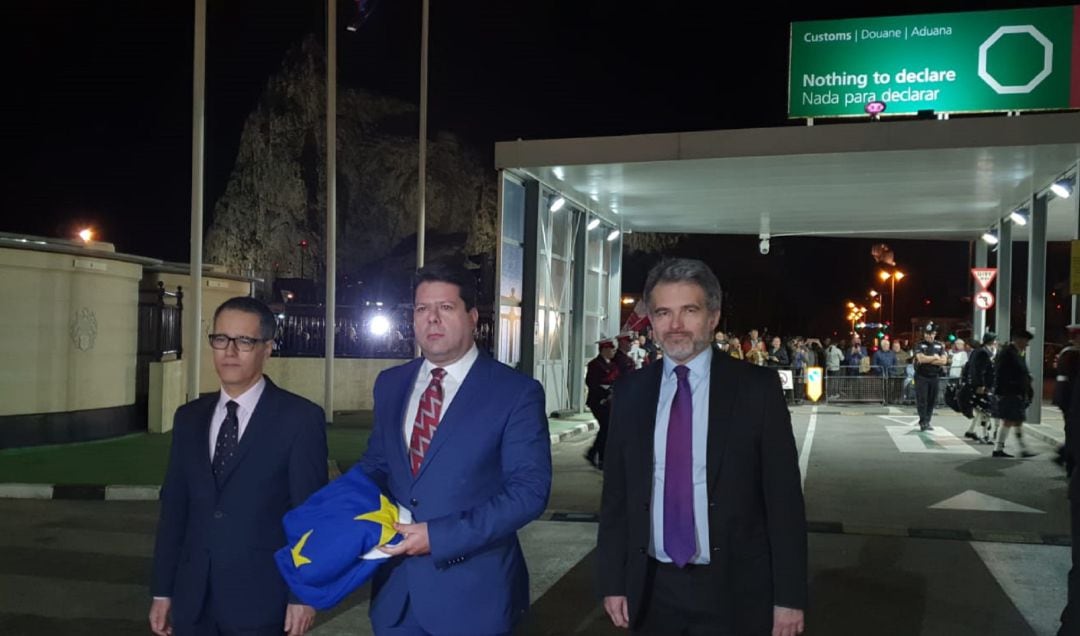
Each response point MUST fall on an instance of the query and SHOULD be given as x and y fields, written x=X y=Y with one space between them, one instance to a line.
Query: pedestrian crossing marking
x=911 y=440
x=975 y=500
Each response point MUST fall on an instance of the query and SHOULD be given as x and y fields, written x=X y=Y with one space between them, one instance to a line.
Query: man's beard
x=682 y=349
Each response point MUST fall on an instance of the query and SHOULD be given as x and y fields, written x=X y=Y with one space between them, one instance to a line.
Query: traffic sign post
x=984 y=276
x=984 y=300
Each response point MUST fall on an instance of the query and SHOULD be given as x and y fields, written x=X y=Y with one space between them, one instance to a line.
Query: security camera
x=763 y=246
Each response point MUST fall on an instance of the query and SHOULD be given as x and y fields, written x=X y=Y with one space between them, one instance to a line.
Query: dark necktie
x=680 y=541
x=427 y=420
x=227 y=440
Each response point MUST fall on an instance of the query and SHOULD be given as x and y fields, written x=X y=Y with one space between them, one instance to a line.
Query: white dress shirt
x=699 y=378
x=247 y=401
x=451 y=382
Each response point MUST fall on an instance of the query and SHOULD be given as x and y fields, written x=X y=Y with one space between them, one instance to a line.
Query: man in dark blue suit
x=240 y=460
x=462 y=442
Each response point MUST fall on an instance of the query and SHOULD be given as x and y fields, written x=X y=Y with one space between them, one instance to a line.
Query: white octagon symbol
x=1048 y=59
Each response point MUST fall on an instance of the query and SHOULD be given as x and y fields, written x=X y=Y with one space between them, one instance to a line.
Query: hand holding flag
x=329 y=536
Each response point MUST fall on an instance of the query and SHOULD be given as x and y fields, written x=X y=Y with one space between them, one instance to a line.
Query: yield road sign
x=984 y=300
x=984 y=275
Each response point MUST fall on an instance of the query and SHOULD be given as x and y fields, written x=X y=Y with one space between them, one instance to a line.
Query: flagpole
x=422 y=189
x=198 y=119
x=331 y=205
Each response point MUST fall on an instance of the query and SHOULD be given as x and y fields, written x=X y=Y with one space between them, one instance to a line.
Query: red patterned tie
x=427 y=419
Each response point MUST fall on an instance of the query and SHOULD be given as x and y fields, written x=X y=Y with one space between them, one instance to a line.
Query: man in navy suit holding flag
x=461 y=441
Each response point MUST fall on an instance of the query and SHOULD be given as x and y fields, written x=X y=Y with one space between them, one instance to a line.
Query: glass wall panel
x=513 y=262
x=555 y=336
x=513 y=210
x=560 y=232
x=560 y=297
x=593 y=304
x=509 y=335
x=596 y=248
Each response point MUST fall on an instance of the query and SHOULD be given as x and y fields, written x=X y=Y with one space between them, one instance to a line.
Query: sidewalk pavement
x=132 y=467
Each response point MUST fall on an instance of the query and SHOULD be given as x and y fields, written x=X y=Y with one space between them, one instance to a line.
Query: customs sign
x=1022 y=59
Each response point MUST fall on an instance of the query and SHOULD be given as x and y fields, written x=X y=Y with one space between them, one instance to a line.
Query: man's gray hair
x=684 y=270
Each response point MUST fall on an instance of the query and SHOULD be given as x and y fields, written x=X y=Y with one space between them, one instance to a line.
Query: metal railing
x=881 y=385
x=160 y=324
x=361 y=331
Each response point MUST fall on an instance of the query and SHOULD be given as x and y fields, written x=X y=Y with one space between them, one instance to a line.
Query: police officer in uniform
x=599 y=376
x=930 y=361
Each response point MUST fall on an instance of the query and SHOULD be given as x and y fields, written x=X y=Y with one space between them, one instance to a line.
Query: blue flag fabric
x=329 y=534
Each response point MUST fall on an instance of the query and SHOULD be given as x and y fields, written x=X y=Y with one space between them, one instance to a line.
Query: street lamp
x=303 y=248
x=855 y=314
x=892 y=277
x=86 y=234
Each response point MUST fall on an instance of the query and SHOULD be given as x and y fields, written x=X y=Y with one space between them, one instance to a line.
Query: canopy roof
x=916 y=179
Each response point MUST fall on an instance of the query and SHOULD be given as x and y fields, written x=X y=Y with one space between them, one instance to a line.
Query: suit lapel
x=260 y=419
x=452 y=419
x=202 y=446
x=645 y=413
x=723 y=387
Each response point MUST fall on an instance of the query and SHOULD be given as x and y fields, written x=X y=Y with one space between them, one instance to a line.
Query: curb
x=99 y=492
x=948 y=534
x=1043 y=436
x=835 y=527
x=79 y=492
x=584 y=427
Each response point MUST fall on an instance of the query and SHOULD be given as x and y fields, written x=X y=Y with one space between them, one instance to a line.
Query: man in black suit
x=702 y=523
x=240 y=460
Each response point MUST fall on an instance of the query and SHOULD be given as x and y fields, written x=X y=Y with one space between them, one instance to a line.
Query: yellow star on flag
x=386 y=516
x=297 y=558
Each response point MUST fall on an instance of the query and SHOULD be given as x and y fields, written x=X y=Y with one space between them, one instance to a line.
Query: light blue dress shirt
x=700 y=368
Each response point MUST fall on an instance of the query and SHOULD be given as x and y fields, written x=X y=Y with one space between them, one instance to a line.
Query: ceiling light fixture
x=1062 y=188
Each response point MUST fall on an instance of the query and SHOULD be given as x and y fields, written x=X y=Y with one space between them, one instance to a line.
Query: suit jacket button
x=218 y=514
x=414 y=502
x=716 y=549
x=642 y=550
x=712 y=504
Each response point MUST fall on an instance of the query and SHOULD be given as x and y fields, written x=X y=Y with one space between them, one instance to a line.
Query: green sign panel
x=1024 y=59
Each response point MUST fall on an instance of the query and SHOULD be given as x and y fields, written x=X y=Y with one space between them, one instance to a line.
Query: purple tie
x=680 y=542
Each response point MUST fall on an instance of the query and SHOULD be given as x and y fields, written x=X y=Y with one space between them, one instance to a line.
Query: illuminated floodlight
x=557 y=204
x=379 y=325
x=593 y=224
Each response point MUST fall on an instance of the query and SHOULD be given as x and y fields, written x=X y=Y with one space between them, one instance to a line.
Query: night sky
x=96 y=119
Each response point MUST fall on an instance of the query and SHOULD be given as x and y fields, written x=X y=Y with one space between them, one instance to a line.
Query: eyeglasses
x=243 y=343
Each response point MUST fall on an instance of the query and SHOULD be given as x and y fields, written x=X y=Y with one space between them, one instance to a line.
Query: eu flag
x=329 y=534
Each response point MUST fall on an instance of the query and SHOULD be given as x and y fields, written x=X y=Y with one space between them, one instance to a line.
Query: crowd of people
x=996 y=387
